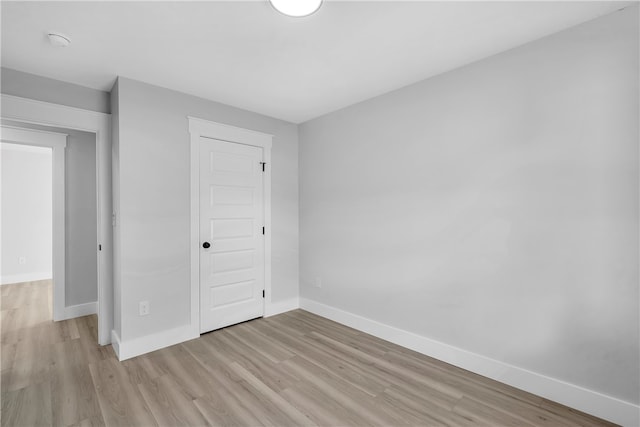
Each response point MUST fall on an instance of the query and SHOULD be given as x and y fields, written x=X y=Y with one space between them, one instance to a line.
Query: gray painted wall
x=154 y=191
x=80 y=218
x=81 y=268
x=493 y=208
x=25 y=85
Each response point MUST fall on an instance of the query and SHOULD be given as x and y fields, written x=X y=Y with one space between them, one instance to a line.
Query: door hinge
x=263 y=163
x=262 y=230
x=263 y=293
x=99 y=247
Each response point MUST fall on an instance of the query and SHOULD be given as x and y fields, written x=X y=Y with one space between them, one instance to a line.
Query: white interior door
x=232 y=256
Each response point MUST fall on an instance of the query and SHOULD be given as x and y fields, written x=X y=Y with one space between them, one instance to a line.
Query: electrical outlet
x=22 y=260
x=144 y=308
x=317 y=282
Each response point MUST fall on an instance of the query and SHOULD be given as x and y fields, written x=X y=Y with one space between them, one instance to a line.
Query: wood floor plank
x=141 y=369
x=7 y=356
x=206 y=353
x=234 y=398
x=287 y=408
x=479 y=413
x=259 y=343
x=573 y=415
x=424 y=410
x=457 y=376
x=30 y=365
x=9 y=320
x=74 y=398
x=27 y=407
x=363 y=379
x=265 y=370
x=342 y=393
x=54 y=332
x=226 y=409
x=96 y=421
x=357 y=339
x=252 y=400
x=184 y=368
x=169 y=403
x=379 y=364
x=120 y=401
x=323 y=411
x=470 y=387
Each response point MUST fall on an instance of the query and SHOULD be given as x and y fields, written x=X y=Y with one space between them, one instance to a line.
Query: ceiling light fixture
x=59 y=40
x=296 y=8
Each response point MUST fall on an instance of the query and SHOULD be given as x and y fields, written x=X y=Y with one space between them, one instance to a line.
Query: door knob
x=206 y=245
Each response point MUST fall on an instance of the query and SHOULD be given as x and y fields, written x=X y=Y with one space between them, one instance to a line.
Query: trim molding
x=79 y=310
x=26 y=277
x=600 y=405
x=148 y=343
x=40 y=138
x=45 y=113
x=281 y=307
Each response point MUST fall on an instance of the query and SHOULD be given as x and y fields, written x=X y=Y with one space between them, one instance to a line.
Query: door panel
x=231 y=220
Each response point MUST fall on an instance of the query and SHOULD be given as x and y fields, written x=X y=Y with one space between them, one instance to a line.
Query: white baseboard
x=137 y=346
x=591 y=402
x=73 y=311
x=281 y=307
x=148 y=343
x=27 y=277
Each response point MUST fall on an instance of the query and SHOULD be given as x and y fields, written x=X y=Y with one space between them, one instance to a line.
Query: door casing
x=199 y=128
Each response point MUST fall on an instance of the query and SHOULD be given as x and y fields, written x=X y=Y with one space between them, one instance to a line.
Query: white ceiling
x=248 y=55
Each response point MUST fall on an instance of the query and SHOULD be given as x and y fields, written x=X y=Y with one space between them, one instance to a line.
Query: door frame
x=57 y=142
x=45 y=113
x=200 y=128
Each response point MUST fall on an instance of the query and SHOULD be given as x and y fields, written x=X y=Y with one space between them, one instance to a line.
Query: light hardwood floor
x=295 y=369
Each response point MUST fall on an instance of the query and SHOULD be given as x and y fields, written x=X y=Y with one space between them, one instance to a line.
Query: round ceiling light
x=296 y=8
x=59 y=40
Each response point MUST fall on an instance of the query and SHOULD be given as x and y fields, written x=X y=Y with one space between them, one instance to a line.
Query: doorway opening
x=30 y=111
x=27 y=234
x=72 y=237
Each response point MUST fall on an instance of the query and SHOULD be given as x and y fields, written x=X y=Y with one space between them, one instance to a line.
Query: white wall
x=81 y=267
x=152 y=171
x=493 y=208
x=26 y=213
